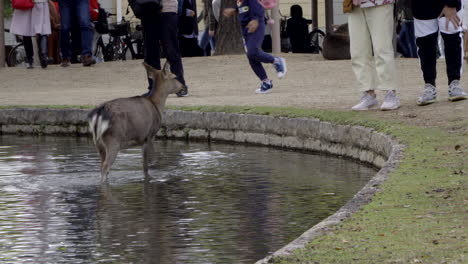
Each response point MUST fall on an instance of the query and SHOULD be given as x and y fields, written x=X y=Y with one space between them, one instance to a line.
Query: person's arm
x=450 y=13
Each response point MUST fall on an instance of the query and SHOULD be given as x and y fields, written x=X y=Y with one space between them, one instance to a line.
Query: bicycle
x=17 y=55
x=122 y=44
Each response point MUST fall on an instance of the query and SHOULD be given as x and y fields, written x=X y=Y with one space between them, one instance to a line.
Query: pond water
x=203 y=202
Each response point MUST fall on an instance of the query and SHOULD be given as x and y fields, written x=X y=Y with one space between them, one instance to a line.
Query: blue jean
x=75 y=9
x=205 y=39
x=408 y=40
x=255 y=54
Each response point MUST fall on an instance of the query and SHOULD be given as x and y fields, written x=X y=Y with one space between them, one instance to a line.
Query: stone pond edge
x=356 y=142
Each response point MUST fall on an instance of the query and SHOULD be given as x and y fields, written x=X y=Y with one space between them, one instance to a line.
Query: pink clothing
x=372 y=3
x=31 y=22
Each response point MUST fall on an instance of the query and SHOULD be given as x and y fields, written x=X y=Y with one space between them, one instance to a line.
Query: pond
x=203 y=202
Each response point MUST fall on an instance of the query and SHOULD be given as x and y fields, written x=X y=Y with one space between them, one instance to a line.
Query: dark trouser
x=161 y=29
x=427 y=51
x=253 y=43
x=426 y=32
x=80 y=8
x=189 y=47
x=28 y=48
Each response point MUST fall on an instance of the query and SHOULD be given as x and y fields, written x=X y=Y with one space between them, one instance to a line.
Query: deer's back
x=130 y=120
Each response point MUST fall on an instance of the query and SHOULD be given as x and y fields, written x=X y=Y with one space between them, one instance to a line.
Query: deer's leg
x=111 y=151
x=102 y=151
x=148 y=153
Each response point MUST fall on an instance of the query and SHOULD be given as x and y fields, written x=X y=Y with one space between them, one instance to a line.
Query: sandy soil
x=311 y=82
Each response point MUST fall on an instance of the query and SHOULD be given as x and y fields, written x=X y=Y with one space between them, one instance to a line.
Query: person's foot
x=367 y=102
x=88 y=60
x=429 y=95
x=265 y=88
x=280 y=67
x=456 y=92
x=183 y=92
x=44 y=61
x=65 y=62
x=391 y=102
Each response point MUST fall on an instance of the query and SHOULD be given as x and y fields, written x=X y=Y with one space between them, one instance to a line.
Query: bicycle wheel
x=17 y=56
x=316 y=40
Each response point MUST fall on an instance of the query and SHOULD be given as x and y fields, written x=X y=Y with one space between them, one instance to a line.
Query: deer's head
x=164 y=81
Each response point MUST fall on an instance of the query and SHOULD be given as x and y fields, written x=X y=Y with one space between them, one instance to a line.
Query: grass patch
x=419 y=216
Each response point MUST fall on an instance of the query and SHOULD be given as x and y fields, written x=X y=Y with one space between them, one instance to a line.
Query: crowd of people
x=172 y=25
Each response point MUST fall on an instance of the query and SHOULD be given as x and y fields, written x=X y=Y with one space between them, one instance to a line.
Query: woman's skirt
x=31 y=22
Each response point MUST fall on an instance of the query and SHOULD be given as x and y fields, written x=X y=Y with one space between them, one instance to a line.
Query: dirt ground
x=311 y=82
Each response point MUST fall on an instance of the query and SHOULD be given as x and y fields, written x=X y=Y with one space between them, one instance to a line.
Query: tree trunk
x=228 y=35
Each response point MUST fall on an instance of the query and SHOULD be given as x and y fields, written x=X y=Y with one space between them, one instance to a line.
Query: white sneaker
x=367 y=102
x=456 y=92
x=391 y=102
x=429 y=95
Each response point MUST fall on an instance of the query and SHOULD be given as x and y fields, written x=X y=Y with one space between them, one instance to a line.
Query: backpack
x=268 y=4
x=138 y=6
x=101 y=25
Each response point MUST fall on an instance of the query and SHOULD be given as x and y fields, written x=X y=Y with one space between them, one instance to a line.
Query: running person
x=252 y=17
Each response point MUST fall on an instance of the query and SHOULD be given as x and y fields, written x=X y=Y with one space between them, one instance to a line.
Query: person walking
x=79 y=9
x=160 y=29
x=430 y=18
x=252 y=20
x=371 y=29
x=33 y=22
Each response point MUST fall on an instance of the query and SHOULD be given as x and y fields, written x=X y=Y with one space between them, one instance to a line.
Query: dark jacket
x=250 y=10
x=187 y=24
x=430 y=9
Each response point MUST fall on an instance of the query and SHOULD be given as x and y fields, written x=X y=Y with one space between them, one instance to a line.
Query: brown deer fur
x=134 y=121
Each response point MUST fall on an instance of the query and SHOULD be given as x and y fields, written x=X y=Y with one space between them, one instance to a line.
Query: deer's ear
x=167 y=70
x=150 y=71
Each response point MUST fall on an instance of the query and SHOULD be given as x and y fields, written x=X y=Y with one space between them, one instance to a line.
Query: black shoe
x=183 y=92
x=44 y=62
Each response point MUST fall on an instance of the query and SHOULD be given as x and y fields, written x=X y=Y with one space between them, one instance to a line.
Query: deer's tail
x=98 y=120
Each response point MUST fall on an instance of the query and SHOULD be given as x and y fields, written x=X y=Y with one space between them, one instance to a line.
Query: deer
x=134 y=121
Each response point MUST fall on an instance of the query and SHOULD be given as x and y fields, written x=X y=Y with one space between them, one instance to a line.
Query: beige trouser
x=371 y=29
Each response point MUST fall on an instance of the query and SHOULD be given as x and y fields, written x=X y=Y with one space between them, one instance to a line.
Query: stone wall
x=360 y=143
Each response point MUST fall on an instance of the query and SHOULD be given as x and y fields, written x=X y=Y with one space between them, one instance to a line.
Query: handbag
x=140 y=6
x=22 y=4
x=347 y=6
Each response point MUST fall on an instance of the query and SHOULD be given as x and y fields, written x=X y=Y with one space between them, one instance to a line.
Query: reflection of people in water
x=297 y=30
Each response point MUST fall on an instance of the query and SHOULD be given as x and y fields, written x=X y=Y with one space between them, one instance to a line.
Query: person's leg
x=404 y=41
x=204 y=40
x=151 y=35
x=86 y=28
x=42 y=40
x=170 y=44
x=411 y=39
x=28 y=47
x=426 y=33
x=381 y=28
x=65 y=27
x=361 y=58
x=256 y=56
x=453 y=43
